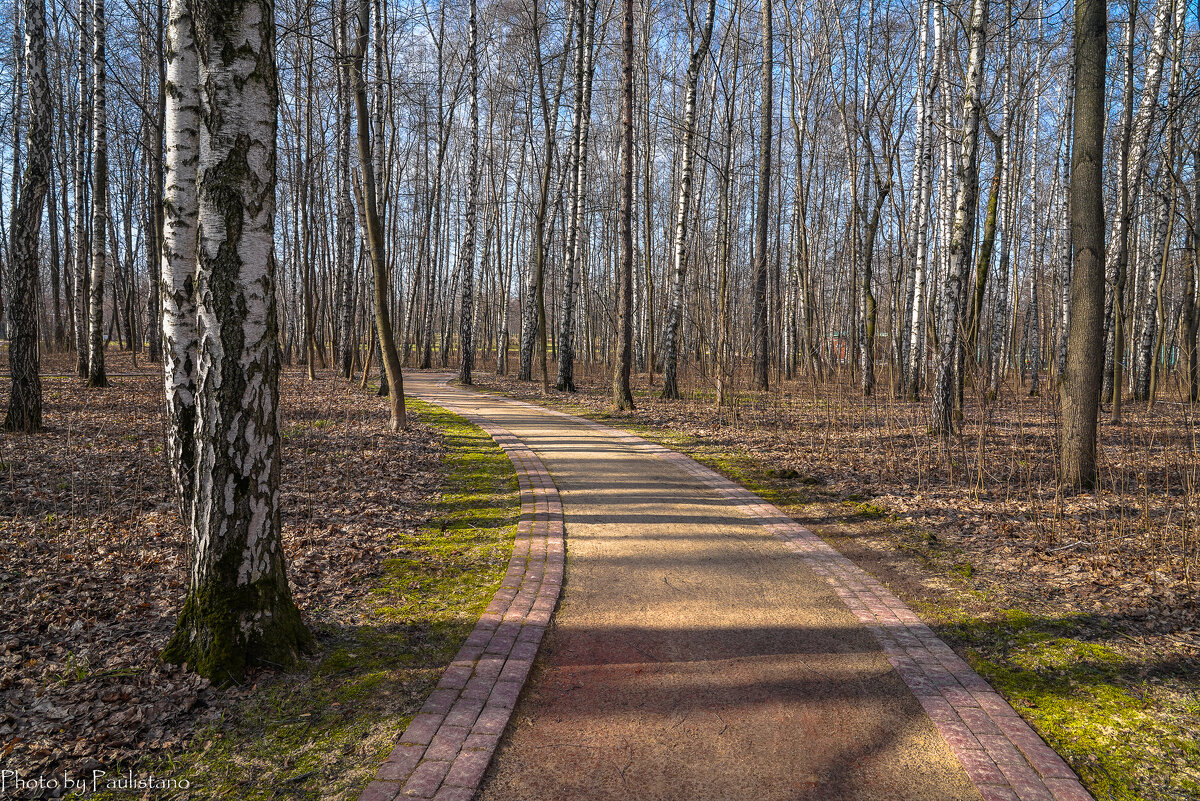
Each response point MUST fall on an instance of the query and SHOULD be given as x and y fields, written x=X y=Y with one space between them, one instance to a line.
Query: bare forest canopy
x=866 y=192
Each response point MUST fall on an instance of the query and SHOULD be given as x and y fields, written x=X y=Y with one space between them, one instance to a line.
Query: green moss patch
x=1127 y=727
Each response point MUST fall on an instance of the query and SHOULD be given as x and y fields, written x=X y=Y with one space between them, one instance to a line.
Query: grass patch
x=320 y=733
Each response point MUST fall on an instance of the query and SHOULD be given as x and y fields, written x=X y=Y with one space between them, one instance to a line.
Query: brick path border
x=1002 y=755
x=445 y=750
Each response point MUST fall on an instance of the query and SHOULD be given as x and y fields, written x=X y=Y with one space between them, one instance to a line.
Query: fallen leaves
x=93 y=559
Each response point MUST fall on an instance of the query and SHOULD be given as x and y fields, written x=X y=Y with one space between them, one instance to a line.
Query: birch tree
x=684 y=204
x=178 y=264
x=760 y=335
x=961 y=234
x=584 y=67
x=25 y=395
x=922 y=190
x=82 y=251
x=239 y=610
x=97 y=377
x=345 y=205
x=466 y=255
x=1132 y=169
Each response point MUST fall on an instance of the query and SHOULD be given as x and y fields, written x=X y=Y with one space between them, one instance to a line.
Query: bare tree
x=962 y=232
x=585 y=11
x=82 y=251
x=622 y=395
x=1079 y=388
x=97 y=377
x=25 y=396
x=375 y=234
x=760 y=334
x=466 y=255
x=684 y=203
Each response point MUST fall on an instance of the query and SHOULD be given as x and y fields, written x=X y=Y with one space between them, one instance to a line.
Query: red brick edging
x=1002 y=755
x=445 y=750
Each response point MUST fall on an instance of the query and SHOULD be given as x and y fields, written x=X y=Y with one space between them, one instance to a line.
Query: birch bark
x=178 y=260
x=25 y=395
x=683 y=206
x=239 y=610
x=942 y=417
x=97 y=377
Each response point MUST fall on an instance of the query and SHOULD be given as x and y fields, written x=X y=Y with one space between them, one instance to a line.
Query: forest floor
x=1082 y=611
x=395 y=544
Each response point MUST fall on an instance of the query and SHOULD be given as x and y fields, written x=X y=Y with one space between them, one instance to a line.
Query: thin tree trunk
x=922 y=192
x=1152 y=307
x=366 y=158
x=1132 y=167
x=1079 y=388
x=584 y=69
x=345 y=204
x=1190 y=322
x=97 y=377
x=760 y=335
x=153 y=213
x=942 y=420
x=467 y=251
x=622 y=395
x=25 y=396
x=683 y=206
x=82 y=249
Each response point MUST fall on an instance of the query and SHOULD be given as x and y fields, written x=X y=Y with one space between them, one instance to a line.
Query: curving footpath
x=445 y=750
x=706 y=647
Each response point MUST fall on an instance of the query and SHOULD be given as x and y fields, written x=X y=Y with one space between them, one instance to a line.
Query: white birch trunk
x=584 y=69
x=942 y=417
x=178 y=264
x=82 y=252
x=466 y=258
x=25 y=393
x=682 y=207
x=239 y=611
x=97 y=377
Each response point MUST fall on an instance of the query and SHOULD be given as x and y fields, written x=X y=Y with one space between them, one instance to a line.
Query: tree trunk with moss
x=239 y=611
x=25 y=398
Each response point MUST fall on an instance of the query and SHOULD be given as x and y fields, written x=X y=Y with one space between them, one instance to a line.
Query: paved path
x=708 y=647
